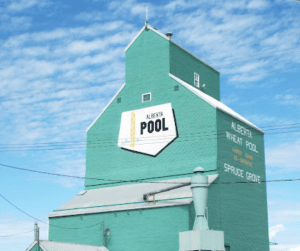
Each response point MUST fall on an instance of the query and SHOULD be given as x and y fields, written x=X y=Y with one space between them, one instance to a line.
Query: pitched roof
x=59 y=246
x=127 y=197
x=112 y=99
x=149 y=27
x=215 y=103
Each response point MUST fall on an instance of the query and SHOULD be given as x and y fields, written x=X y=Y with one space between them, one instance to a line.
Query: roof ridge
x=215 y=103
x=148 y=26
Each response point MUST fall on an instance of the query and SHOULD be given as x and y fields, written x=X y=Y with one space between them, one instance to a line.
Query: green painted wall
x=183 y=65
x=36 y=248
x=147 y=229
x=243 y=206
x=147 y=58
x=150 y=229
x=196 y=121
x=238 y=209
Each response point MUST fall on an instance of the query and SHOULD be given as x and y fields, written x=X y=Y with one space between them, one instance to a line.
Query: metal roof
x=148 y=26
x=127 y=197
x=215 y=103
x=104 y=109
x=64 y=246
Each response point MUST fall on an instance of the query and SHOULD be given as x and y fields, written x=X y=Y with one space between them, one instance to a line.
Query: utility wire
x=143 y=180
x=89 y=178
x=33 y=217
x=103 y=140
x=110 y=144
x=203 y=133
x=4 y=236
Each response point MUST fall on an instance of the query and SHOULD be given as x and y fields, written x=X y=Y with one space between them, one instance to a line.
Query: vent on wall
x=118 y=100
x=176 y=88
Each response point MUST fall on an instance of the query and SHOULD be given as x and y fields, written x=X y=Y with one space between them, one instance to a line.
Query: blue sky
x=62 y=61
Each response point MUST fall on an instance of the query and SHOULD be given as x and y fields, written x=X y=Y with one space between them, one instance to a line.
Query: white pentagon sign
x=148 y=130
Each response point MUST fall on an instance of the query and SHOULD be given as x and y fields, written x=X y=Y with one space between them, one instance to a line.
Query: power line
x=4 y=236
x=204 y=133
x=143 y=180
x=33 y=217
x=89 y=178
x=91 y=141
x=218 y=183
x=59 y=143
x=111 y=143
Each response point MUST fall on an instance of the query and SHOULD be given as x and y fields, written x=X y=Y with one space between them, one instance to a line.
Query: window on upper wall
x=196 y=79
x=146 y=97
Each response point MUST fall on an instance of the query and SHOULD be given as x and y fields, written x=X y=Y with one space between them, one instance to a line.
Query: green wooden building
x=166 y=120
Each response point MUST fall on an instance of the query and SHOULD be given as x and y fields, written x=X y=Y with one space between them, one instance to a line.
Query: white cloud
x=295 y=248
x=230 y=99
x=288 y=99
x=21 y=5
x=285 y=247
x=226 y=29
x=225 y=33
x=273 y=231
x=284 y=156
x=91 y=16
x=280 y=213
x=260 y=119
x=258 y=4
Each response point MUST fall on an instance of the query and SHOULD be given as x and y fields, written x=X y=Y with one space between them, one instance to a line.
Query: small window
x=176 y=88
x=146 y=97
x=196 y=79
x=118 y=100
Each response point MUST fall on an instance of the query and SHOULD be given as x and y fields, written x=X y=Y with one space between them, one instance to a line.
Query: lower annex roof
x=127 y=197
x=64 y=246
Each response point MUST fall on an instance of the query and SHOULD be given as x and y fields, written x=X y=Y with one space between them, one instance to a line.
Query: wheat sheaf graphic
x=132 y=130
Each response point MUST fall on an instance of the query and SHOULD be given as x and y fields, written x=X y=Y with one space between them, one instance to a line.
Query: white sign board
x=148 y=130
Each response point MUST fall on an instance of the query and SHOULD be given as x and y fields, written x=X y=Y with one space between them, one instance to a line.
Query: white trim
x=158 y=32
x=215 y=103
x=105 y=107
x=148 y=26
x=147 y=100
x=31 y=246
x=132 y=41
x=127 y=198
x=178 y=202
